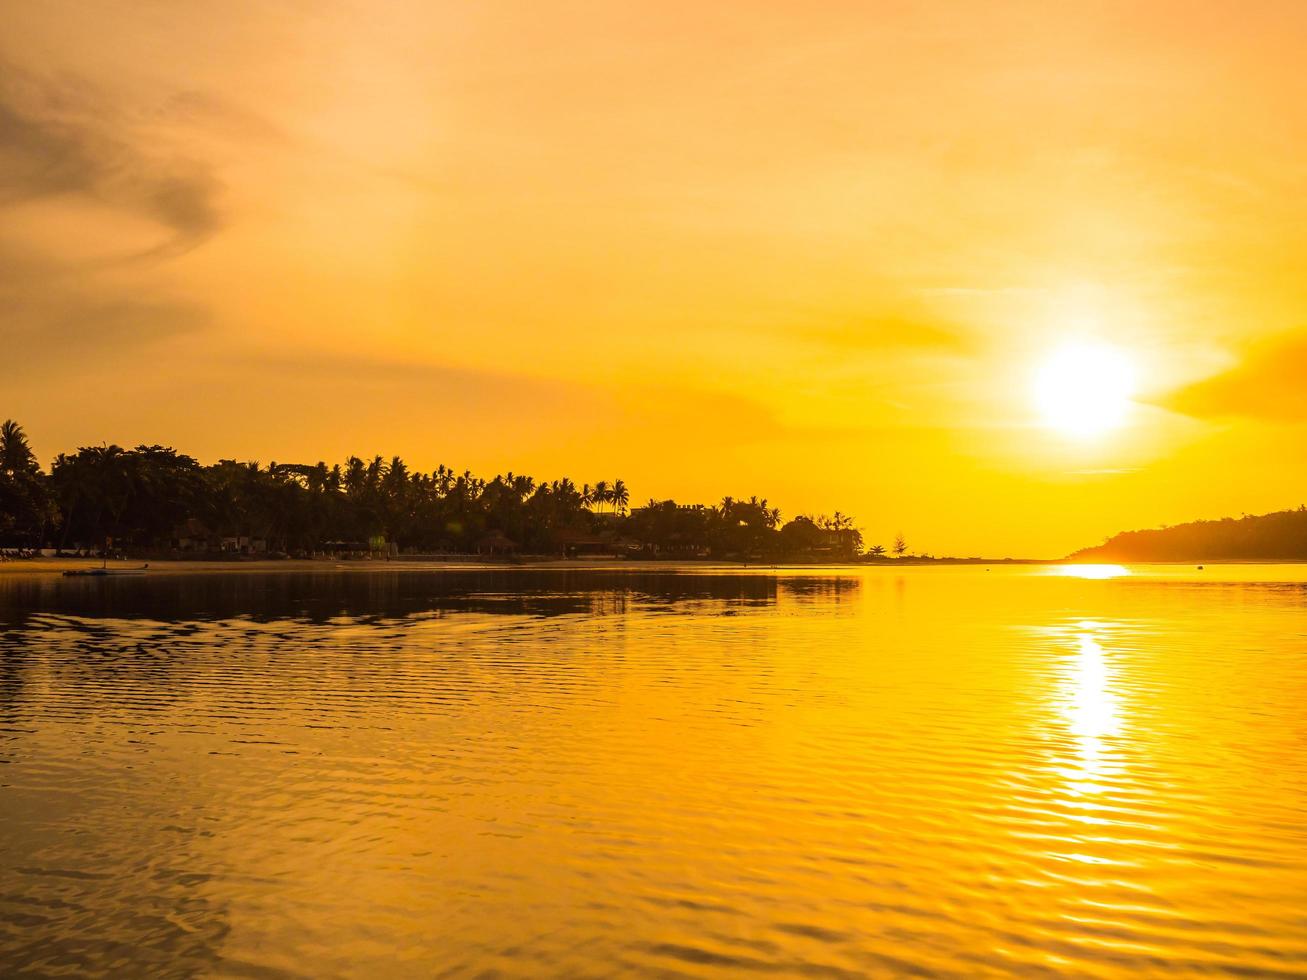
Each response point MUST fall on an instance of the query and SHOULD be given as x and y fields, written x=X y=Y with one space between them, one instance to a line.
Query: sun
x=1085 y=389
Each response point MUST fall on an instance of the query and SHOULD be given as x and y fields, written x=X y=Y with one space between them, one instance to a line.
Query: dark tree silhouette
x=153 y=499
x=26 y=507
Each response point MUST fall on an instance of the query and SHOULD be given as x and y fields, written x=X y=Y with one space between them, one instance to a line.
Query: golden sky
x=812 y=253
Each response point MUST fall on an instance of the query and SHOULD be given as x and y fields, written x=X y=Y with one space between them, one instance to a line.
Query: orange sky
x=814 y=254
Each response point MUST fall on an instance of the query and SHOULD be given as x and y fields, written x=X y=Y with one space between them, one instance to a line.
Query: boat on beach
x=106 y=570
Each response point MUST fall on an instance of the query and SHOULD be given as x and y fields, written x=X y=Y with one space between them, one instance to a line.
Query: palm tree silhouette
x=16 y=456
x=142 y=495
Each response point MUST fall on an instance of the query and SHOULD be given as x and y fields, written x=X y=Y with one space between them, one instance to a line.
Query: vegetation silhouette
x=155 y=501
x=27 y=508
x=1281 y=536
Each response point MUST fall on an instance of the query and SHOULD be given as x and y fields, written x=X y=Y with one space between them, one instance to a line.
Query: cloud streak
x=61 y=143
x=1268 y=384
x=57 y=140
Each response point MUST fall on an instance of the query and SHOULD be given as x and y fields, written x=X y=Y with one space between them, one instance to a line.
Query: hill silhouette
x=1281 y=536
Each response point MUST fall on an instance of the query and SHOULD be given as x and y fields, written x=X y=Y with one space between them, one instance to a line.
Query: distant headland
x=1281 y=536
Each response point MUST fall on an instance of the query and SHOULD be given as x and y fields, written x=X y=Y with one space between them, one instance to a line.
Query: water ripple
x=934 y=772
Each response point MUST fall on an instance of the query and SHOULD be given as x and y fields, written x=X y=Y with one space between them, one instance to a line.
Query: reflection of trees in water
x=136 y=635
x=383 y=594
x=811 y=590
x=119 y=652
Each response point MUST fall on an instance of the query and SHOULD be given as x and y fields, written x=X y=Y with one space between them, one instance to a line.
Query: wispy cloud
x=67 y=321
x=62 y=143
x=1269 y=383
x=57 y=139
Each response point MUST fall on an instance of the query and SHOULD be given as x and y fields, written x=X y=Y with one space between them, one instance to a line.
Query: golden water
x=947 y=771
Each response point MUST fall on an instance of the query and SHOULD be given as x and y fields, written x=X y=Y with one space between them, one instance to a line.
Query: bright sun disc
x=1085 y=389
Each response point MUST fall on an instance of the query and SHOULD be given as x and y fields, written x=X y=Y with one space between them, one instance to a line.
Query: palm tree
x=394 y=485
x=522 y=485
x=375 y=471
x=600 y=494
x=26 y=506
x=115 y=479
x=444 y=479
x=876 y=551
x=16 y=456
x=620 y=496
x=97 y=481
x=355 y=476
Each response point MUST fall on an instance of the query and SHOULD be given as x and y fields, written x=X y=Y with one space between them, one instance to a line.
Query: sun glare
x=1085 y=390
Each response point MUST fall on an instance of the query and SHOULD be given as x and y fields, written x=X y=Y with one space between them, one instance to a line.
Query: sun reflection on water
x=1090 y=571
x=1091 y=709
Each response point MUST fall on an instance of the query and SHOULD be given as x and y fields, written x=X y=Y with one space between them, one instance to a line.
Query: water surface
x=935 y=771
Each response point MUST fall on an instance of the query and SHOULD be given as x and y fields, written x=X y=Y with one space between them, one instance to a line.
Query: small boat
x=106 y=570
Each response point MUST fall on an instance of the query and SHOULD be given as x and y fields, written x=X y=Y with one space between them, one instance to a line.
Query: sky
x=820 y=255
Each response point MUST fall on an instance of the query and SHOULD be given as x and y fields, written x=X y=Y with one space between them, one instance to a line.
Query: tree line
x=153 y=499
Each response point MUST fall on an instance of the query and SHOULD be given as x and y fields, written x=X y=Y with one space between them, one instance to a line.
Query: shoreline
x=171 y=566
x=56 y=566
